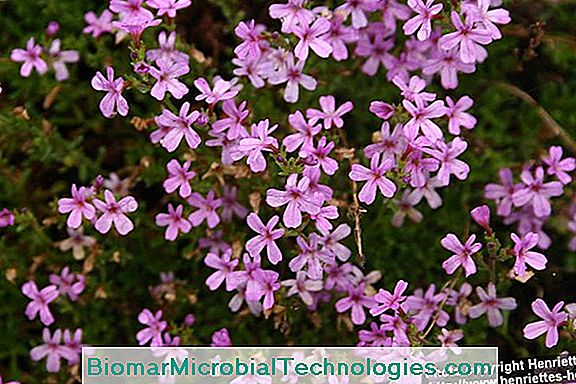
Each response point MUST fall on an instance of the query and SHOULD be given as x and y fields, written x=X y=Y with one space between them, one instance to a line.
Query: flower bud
x=481 y=216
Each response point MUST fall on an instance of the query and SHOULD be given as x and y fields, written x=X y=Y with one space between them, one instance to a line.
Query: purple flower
x=558 y=166
x=375 y=178
x=231 y=206
x=266 y=237
x=234 y=123
x=52 y=350
x=113 y=101
x=98 y=26
x=480 y=12
x=40 y=301
x=292 y=74
x=423 y=21
x=503 y=193
x=319 y=156
x=330 y=115
x=292 y=14
x=167 y=51
x=412 y=90
x=421 y=119
x=179 y=178
x=252 y=44
x=174 y=221
x=167 y=75
x=462 y=254
x=357 y=300
x=263 y=284
x=448 y=63
x=31 y=59
x=537 y=192
x=259 y=141
x=424 y=305
x=405 y=207
x=115 y=213
x=449 y=338
x=522 y=247
x=358 y=9
x=331 y=241
x=224 y=266
x=447 y=155
x=551 y=320
x=60 y=58
x=459 y=300
x=386 y=300
x=457 y=117
x=77 y=241
x=310 y=256
x=130 y=10
x=382 y=110
x=223 y=90
x=74 y=342
x=153 y=331
x=303 y=286
x=179 y=127
x=221 y=339
x=492 y=305
x=481 y=216
x=312 y=37
x=77 y=206
x=418 y=168
x=206 y=209
x=168 y=7
x=389 y=145
x=297 y=199
x=6 y=218
x=304 y=137
x=338 y=36
x=71 y=284
x=468 y=37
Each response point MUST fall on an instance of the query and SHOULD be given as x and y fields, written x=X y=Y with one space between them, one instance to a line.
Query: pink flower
x=331 y=241
x=457 y=117
x=292 y=74
x=130 y=9
x=69 y=284
x=390 y=145
x=253 y=42
x=297 y=199
x=167 y=51
x=303 y=286
x=153 y=331
x=375 y=178
x=221 y=339
x=52 y=350
x=230 y=205
x=424 y=305
x=179 y=178
x=40 y=301
x=206 y=209
x=357 y=300
x=174 y=221
x=98 y=25
x=558 y=166
x=312 y=37
x=330 y=115
x=422 y=116
x=259 y=141
x=168 y=7
x=310 y=256
x=60 y=58
x=503 y=193
x=266 y=237
x=77 y=206
x=488 y=17
x=264 y=283
x=179 y=127
x=522 y=247
x=292 y=14
x=74 y=342
x=234 y=123
x=167 y=79
x=6 y=218
x=481 y=216
x=412 y=90
x=306 y=131
x=223 y=90
x=386 y=300
x=358 y=9
x=549 y=324
x=447 y=155
x=422 y=21
x=468 y=37
x=224 y=266
x=448 y=63
x=449 y=338
x=113 y=101
x=382 y=110
x=462 y=254
x=31 y=59
x=492 y=305
x=115 y=213
x=537 y=192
